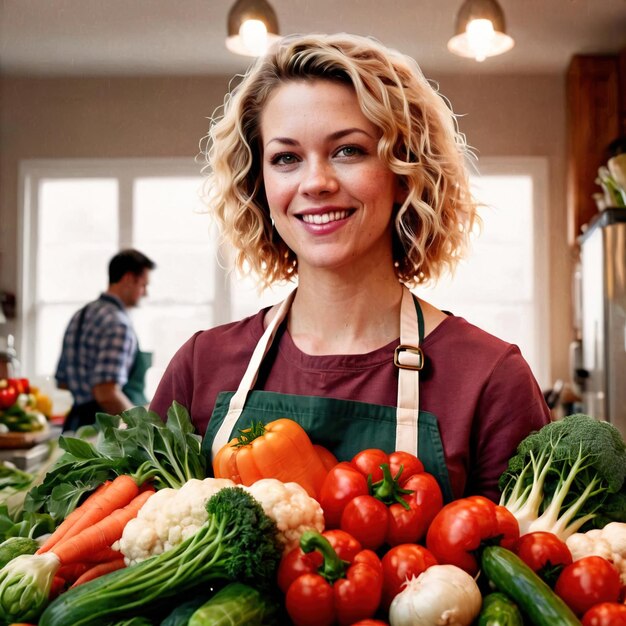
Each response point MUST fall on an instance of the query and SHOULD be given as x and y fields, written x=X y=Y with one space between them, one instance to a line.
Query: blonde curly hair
x=420 y=142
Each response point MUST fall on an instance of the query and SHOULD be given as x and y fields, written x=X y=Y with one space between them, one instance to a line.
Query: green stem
x=332 y=568
x=248 y=435
x=388 y=490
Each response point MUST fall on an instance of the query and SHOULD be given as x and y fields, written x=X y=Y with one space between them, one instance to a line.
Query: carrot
x=70 y=520
x=106 y=554
x=71 y=571
x=57 y=588
x=99 y=570
x=118 y=494
x=101 y=535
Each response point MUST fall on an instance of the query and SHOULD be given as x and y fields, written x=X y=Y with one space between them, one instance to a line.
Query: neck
x=114 y=290
x=345 y=317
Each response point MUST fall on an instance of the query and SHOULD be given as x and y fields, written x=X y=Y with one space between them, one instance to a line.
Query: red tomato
x=410 y=498
x=588 y=581
x=544 y=553
x=8 y=394
x=405 y=464
x=368 y=462
x=370 y=622
x=343 y=483
x=312 y=601
x=401 y=464
x=21 y=384
x=605 y=614
x=410 y=526
x=296 y=562
x=400 y=563
x=462 y=526
x=508 y=527
x=365 y=518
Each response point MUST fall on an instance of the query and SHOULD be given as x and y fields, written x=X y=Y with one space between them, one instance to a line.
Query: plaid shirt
x=103 y=353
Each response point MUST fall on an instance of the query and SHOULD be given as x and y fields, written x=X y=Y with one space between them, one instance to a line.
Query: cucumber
x=513 y=577
x=235 y=605
x=499 y=610
x=182 y=613
x=15 y=546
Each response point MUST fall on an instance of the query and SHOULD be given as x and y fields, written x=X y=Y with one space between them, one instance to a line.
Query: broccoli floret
x=250 y=538
x=567 y=475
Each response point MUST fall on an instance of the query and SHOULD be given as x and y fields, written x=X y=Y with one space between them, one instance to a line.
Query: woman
x=336 y=162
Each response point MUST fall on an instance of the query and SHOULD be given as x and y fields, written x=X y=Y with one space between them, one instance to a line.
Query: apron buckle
x=408 y=357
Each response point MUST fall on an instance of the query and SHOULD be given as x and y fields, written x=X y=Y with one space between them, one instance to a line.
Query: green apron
x=345 y=427
x=135 y=386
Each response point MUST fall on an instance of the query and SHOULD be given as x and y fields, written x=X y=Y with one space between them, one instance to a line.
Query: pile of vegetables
x=136 y=442
x=288 y=535
x=21 y=407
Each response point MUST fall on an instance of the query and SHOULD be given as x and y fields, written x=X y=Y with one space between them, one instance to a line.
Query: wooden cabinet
x=595 y=117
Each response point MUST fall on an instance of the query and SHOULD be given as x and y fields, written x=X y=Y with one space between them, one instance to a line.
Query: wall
x=152 y=117
x=525 y=115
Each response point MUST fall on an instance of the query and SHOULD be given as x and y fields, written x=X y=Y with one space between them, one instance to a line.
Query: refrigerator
x=603 y=317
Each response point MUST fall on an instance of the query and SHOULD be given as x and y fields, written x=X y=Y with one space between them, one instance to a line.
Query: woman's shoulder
x=462 y=337
x=231 y=336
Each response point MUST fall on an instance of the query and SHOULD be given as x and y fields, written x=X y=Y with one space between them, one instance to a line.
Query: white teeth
x=324 y=218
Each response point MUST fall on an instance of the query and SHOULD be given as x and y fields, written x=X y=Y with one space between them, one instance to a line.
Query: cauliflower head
x=290 y=506
x=172 y=515
x=168 y=518
x=608 y=542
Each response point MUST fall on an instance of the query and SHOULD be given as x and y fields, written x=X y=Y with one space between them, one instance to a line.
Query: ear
x=127 y=279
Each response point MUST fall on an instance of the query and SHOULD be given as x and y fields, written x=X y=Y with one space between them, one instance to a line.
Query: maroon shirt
x=479 y=387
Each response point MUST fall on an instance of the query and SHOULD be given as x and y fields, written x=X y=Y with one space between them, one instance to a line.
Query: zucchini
x=513 y=577
x=499 y=610
x=15 y=546
x=235 y=605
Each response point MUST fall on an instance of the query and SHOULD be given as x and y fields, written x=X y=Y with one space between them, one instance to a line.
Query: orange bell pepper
x=280 y=449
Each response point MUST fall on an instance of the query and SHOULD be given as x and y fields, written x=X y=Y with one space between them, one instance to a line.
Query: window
x=79 y=213
x=502 y=285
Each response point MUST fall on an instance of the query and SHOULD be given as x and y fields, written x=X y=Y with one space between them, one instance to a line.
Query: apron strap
x=408 y=358
x=238 y=401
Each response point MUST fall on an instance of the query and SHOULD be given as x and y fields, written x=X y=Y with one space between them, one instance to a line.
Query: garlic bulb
x=443 y=595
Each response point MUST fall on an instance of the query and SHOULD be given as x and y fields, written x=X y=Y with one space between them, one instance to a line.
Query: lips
x=324 y=217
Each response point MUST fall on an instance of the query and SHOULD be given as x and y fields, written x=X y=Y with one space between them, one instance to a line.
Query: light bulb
x=253 y=35
x=480 y=36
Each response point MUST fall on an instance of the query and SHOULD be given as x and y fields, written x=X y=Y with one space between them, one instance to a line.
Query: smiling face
x=331 y=197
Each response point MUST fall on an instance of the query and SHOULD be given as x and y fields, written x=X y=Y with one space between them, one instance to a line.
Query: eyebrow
x=332 y=137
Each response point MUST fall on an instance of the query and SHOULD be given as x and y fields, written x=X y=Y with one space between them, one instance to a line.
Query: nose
x=319 y=178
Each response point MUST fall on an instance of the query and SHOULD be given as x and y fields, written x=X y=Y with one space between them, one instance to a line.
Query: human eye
x=283 y=158
x=350 y=151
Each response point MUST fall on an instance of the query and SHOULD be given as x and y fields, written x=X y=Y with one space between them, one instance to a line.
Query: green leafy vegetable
x=567 y=476
x=238 y=542
x=136 y=442
x=25 y=584
x=23 y=524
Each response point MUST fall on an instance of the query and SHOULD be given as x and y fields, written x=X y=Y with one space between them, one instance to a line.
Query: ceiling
x=149 y=37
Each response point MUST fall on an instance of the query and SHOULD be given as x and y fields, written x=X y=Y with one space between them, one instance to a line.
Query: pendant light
x=252 y=27
x=480 y=30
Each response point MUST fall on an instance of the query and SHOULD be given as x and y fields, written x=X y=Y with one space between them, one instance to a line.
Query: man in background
x=101 y=363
